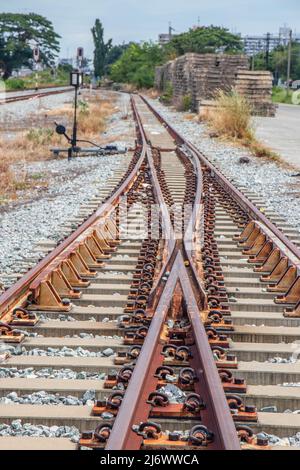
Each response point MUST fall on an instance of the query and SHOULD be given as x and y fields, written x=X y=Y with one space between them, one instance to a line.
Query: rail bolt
x=200 y=436
x=187 y=376
x=162 y=372
x=102 y=432
x=114 y=401
x=149 y=430
x=158 y=399
x=194 y=403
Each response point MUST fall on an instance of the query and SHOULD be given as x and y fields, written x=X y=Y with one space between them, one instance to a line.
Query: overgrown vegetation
x=204 y=40
x=232 y=116
x=185 y=103
x=34 y=144
x=232 y=119
x=17 y=34
x=282 y=95
x=48 y=77
x=278 y=62
x=101 y=48
x=167 y=96
x=137 y=63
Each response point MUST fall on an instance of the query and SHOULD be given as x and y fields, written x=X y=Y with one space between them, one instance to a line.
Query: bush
x=40 y=136
x=15 y=84
x=185 y=104
x=167 y=97
x=282 y=95
x=232 y=119
x=137 y=65
x=232 y=116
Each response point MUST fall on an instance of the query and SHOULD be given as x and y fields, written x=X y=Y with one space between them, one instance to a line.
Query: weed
x=167 y=96
x=232 y=119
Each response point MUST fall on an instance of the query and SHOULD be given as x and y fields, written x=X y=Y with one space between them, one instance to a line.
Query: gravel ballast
x=70 y=185
x=273 y=183
x=61 y=188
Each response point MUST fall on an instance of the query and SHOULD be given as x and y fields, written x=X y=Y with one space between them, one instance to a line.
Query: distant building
x=296 y=85
x=255 y=44
x=164 y=38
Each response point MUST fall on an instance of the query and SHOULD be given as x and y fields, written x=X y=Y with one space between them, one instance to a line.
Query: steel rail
x=168 y=231
x=45 y=87
x=15 y=99
x=239 y=197
x=134 y=408
x=11 y=296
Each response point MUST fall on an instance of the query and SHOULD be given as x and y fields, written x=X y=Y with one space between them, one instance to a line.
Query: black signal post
x=76 y=80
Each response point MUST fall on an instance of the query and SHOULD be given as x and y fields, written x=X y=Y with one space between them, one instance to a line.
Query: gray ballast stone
x=174 y=393
x=44 y=398
x=16 y=428
x=55 y=352
x=273 y=183
x=108 y=352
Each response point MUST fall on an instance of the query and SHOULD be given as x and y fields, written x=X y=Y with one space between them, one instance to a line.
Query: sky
x=135 y=20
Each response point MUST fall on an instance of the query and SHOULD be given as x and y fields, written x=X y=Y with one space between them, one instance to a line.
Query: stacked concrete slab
x=257 y=87
x=201 y=75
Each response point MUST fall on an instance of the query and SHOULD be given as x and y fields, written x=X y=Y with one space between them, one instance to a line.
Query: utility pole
x=268 y=51
x=289 y=60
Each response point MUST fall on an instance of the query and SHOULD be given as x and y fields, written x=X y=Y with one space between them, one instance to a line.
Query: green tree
x=113 y=55
x=205 y=39
x=279 y=61
x=137 y=65
x=101 y=50
x=18 y=33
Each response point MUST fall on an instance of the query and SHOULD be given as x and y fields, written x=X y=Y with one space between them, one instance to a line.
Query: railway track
x=44 y=92
x=180 y=297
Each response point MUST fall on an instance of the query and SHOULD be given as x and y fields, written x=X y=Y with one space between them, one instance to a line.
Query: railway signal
x=36 y=54
x=80 y=56
x=76 y=80
x=36 y=58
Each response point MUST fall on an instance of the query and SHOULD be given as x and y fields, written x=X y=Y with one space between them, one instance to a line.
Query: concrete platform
x=282 y=133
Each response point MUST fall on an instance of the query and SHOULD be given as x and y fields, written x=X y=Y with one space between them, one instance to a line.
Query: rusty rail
x=134 y=408
x=14 y=99
x=247 y=205
x=11 y=296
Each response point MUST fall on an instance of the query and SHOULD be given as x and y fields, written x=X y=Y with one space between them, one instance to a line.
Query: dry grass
x=34 y=144
x=231 y=118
